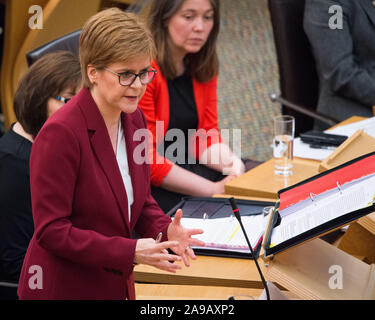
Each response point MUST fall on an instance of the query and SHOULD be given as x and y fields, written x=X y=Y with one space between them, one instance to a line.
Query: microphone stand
x=236 y=212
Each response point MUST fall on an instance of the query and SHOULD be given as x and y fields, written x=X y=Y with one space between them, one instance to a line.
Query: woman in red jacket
x=183 y=96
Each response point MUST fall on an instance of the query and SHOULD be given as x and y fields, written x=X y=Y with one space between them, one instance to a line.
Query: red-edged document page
x=328 y=181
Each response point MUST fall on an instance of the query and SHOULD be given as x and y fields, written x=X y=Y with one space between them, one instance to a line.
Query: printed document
x=225 y=234
x=325 y=207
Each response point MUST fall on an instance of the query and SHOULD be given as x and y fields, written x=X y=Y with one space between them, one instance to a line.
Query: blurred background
x=248 y=66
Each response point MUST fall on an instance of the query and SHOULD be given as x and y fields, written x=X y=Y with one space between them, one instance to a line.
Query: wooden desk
x=261 y=181
x=206 y=271
x=148 y=291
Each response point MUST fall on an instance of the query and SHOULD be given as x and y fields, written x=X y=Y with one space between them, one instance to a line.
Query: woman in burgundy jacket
x=183 y=97
x=88 y=193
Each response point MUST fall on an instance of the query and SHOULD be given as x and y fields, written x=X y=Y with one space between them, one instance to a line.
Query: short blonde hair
x=112 y=36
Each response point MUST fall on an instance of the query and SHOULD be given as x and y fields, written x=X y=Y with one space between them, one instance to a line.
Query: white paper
x=226 y=234
x=368 y=125
x=332 y=204
x=303 y=150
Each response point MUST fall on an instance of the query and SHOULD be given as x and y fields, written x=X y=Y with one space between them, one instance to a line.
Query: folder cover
x=321 y=204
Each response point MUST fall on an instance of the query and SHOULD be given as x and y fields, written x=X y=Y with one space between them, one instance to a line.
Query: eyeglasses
x=62 y=99
x=127 y=78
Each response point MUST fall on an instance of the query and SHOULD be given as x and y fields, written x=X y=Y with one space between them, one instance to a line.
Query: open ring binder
x=313 y=207
x=221 y=229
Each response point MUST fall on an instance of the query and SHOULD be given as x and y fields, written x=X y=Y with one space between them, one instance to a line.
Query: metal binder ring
x=338 y=187
x=312 y=195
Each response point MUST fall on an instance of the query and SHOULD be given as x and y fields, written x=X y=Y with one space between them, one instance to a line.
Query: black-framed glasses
x=62 y=99
x=127 y=78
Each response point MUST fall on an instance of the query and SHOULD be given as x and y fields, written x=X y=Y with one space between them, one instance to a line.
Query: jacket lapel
x=103 y=150
x=369 y=7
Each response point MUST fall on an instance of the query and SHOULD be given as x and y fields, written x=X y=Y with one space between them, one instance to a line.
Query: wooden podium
x=318 y=270
x=359 y=239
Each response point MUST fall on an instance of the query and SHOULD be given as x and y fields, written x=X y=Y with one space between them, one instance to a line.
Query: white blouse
x=122 y=160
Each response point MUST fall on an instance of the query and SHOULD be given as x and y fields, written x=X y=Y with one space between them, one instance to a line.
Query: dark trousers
x=8 y=293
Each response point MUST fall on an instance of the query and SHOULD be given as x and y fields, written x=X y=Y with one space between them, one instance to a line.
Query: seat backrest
x=69 y=42
x=299 y=81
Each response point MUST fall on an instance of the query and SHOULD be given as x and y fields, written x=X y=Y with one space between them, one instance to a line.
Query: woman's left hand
x=176 y=232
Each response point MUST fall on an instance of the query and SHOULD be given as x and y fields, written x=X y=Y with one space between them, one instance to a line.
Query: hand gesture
x=177 y=233
x=147 y=251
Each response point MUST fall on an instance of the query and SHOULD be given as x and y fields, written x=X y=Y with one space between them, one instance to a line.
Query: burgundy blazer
x=82 y=240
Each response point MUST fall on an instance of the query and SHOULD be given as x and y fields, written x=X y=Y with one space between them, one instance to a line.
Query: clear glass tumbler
x=284 y=127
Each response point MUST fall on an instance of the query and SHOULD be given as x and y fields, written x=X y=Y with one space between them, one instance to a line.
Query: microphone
x=236 y=212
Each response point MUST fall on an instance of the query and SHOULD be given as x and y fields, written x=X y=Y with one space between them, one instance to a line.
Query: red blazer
x=155 y=105
x=82 y=239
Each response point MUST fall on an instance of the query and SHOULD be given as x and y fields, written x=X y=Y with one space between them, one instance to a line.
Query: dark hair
x=46 y=78
x=202 y=65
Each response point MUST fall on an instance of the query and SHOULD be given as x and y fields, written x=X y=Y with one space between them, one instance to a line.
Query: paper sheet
x=226 y=234
x=368 y=125
x=303 y=150
x=330 y=205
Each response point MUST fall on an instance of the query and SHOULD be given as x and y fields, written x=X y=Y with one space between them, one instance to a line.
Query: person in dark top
x=341 y=34
x=48 y=84
x=183 y=97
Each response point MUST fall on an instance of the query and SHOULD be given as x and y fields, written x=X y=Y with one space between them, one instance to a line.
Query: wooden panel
x=357 y=145
x=60 y=17
x=305 y=271
x=207 y=271
x=15 y=32
x=368 y=222
x=148 y=291
x=186 y=292
x=358 y=241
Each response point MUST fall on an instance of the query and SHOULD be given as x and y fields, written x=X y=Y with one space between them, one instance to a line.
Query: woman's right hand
x=218 y=187
x=147 y=251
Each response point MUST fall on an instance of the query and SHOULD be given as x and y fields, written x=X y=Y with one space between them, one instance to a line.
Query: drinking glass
x=283 y=144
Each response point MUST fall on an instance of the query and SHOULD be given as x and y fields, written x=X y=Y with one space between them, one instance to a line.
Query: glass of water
x=283 y=144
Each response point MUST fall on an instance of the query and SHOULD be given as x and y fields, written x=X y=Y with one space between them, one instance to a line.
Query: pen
x=158 y=238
